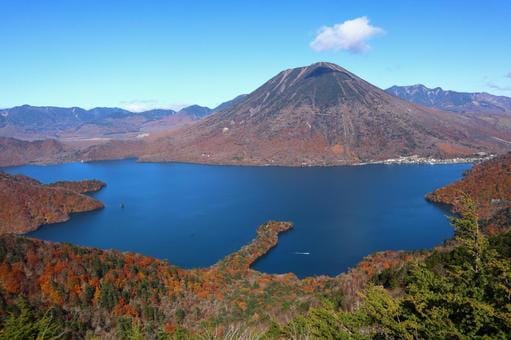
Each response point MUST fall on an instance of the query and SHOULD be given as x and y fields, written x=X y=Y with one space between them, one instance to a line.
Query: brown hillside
x=25 y=203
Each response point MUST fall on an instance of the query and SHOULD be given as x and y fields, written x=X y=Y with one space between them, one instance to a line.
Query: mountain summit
x=324 y=114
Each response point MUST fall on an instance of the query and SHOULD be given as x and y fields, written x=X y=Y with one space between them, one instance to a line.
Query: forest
x=460 y=289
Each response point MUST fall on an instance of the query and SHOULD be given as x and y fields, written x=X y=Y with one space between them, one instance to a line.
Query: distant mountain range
x=40 y=122
x=320 y=114
x=462 y=102
x=324 y=114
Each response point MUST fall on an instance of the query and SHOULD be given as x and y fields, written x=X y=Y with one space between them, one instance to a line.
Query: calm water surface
x=193 y=215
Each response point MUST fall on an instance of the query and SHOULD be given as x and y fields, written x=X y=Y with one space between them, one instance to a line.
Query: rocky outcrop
x=26 y=204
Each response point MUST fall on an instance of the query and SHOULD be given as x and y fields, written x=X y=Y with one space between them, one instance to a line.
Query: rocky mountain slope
x=230 y=103
x=463 y=102
x=323 y=114
x=25 y=203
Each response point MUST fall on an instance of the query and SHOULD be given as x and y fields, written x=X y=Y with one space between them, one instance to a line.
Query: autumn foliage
x=109 y=286
x=25 y=203
x=489 y=184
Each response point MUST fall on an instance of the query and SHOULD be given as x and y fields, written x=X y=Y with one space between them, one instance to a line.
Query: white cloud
x=351 y=35
x=150 y=104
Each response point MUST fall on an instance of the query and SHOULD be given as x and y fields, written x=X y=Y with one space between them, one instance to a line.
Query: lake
x=193 y=215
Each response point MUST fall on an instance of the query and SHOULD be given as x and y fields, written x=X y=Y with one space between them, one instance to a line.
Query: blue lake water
x=193 y=215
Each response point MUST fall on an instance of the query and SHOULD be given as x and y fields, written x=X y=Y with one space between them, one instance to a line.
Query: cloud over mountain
x=350 y=35
x=146 y=105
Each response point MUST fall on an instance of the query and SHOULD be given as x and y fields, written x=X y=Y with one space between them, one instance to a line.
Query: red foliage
x=11 y=277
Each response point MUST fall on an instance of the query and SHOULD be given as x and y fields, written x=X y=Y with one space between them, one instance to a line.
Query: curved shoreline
x=267 y=237
x=26 y=204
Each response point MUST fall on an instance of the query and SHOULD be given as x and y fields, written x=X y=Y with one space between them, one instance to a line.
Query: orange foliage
x=47 y=290
x=11 y=277
x=169 y=328
x=488 y=183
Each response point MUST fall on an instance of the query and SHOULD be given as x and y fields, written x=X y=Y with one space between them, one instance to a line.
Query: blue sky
x=136 y=53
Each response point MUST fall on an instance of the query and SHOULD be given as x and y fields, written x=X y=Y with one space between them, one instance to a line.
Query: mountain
x=462 y=102
x=31 y=134
x=324 y=114
x=15 y=152
x=230 y=103
x=320 y=114
x=156 y=114
x=39 y=122
x=196 y=111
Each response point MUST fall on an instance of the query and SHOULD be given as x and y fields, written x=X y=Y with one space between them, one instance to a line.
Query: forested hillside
x=461 y=289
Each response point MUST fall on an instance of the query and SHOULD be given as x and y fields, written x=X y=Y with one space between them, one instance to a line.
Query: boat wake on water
x=301 y=253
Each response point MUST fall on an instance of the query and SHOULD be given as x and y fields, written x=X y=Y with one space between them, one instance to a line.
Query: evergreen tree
x=25 y=324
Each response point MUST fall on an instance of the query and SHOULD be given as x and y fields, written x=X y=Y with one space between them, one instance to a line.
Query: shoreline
x=267 y=237
x=402 y=160
x=415 y=159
